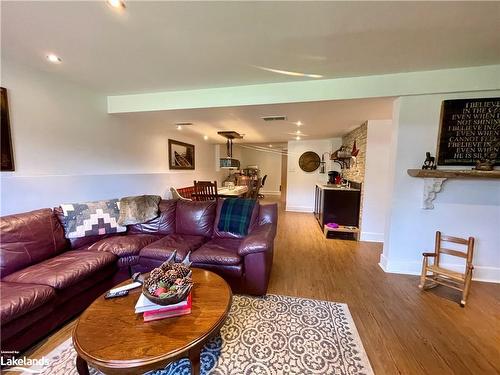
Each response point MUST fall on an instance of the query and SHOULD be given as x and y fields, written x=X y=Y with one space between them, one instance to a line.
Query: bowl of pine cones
x=170 y=283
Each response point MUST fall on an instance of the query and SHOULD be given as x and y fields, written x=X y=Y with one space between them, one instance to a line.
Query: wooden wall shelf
x=453 y=173
x=434 y=179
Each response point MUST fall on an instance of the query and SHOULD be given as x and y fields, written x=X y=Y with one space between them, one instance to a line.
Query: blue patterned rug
x=272 y=335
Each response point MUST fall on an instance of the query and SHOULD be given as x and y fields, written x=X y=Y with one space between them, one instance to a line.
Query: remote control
x=109 y=295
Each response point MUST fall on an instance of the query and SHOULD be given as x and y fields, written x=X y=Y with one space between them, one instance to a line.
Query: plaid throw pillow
x=91 y=218
x=235 y=215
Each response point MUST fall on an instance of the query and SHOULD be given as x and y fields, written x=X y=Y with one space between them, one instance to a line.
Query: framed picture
x=469 y=131
x=7 y=157
x=180 y=155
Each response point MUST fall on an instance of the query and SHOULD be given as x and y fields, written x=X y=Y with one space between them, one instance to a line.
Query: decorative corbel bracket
x=432 y=186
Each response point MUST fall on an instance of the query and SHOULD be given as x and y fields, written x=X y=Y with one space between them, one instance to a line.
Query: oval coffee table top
x=109 y=334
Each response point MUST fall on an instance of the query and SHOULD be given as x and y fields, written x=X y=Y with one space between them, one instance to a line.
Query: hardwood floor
x=404 y=330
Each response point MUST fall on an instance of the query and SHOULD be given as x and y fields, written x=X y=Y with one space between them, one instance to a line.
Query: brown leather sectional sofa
x=46 y=279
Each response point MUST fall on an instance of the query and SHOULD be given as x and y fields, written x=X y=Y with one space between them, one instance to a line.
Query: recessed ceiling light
x=297 y=138
x=179 y=127
x=271 y=146
x=205 y=137
x=298 y=132
x=54 y=58
x=117 y=4
x=299 y=123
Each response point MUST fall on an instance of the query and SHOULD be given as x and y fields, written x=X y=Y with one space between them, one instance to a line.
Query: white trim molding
x=372 y=237
x=480 y=273
x=399 y=84
x=299 y=209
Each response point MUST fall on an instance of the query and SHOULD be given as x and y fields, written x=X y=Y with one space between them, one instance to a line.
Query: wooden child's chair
x=442 y=276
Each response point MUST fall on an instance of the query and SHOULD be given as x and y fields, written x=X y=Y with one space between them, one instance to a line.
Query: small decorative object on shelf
x=355 y=150
x=343 y=157
x=489 y=161
x=429 y=162
x=170 y=283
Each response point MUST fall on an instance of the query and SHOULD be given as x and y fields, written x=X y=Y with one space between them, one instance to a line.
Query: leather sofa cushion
x=222 y=234
x=195 y=218
x=128 y=261
x=29 y=238
x=163 y=224
x=164 y=247
x=222 y=251
x=19 y=299
x=65 y=269
x=123 y=246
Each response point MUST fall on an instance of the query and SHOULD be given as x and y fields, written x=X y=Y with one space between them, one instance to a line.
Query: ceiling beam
x=481 y=78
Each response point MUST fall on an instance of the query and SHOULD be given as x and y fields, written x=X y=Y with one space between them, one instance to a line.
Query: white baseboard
x=480 y=273
x=270 y=192
x=299 y=209
x=372 y=236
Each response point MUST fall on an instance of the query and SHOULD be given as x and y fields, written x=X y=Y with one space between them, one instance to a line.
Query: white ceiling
x=320 y=119
x=155 y=46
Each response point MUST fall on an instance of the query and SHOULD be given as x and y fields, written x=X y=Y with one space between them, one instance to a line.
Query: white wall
x=376 y=192
x=463 y=208
x=67 y=148
x=269 y=163
x=300 y=184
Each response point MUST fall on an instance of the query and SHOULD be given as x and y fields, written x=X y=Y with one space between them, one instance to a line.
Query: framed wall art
x=7 y=155
x=180 y=155
x=470 y=131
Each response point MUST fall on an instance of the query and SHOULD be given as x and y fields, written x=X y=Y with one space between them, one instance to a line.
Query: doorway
x=284 y=171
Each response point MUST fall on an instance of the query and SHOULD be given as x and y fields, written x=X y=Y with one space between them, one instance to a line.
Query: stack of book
x=152 y=311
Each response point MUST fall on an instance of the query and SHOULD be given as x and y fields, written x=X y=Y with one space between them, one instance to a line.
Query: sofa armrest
x=259 y=240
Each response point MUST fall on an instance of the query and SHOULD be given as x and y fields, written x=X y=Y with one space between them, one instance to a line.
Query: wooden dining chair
x=178 y=196
x=205 y=191
x=442 y=276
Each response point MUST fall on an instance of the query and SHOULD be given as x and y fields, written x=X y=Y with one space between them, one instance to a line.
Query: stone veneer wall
x=357 y=172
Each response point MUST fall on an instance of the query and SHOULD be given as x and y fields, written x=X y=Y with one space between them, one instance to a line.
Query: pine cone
x=152 y=288
x=180 y=269
x=156 y=274
x=150 y=284
x=165 y=266
x=168 y=277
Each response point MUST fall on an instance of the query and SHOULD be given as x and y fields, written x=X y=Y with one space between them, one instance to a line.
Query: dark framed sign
x=180 y=155
x=470 y=131
x=7 y=156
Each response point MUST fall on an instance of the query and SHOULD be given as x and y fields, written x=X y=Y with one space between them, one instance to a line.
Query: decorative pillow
x=139 y=209
x=235 y=215
x=91 y=218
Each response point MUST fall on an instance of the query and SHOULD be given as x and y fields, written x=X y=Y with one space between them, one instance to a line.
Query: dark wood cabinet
x=339 y=206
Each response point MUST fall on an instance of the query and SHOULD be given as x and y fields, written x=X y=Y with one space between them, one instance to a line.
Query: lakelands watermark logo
x=23 y=364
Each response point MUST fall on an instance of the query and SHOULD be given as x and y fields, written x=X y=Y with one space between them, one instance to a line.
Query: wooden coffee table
x=112 y=338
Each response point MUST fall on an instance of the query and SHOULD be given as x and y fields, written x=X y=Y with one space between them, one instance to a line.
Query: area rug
x=271 y=335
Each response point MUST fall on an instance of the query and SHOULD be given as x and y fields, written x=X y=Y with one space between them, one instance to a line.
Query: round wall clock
x=309 y=161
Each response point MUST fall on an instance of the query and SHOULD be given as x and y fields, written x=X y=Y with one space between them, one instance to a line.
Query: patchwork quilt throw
x=91 y=218
x=235 y=215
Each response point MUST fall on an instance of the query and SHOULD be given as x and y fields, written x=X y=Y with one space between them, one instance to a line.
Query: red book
x=168 y=311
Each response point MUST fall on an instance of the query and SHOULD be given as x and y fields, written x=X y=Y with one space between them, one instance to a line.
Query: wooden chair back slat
x=455 y=253
x=461 y=241
x=186 y=192
x=205 y=191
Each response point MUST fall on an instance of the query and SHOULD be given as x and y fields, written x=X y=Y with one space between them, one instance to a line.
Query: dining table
x=235 y=192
